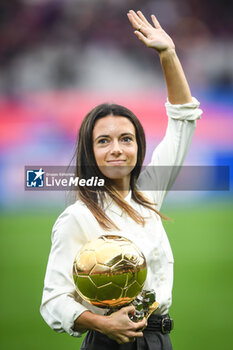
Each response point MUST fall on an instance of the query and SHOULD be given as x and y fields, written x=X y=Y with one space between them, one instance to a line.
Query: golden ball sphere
x=109 y=271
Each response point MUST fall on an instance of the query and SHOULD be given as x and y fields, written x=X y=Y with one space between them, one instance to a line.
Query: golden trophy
x=110 y=272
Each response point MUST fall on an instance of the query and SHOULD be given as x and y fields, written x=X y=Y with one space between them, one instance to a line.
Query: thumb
x=129 y=310
x=142 y=37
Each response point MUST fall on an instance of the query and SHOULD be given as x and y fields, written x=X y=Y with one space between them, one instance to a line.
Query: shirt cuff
x=70 y=318
x=188 y=111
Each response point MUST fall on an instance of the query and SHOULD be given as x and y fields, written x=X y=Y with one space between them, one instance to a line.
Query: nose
x=116 y=149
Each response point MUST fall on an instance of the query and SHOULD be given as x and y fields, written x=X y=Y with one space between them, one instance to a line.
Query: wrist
x=90 y=321
x=169 y=52
x=100 y=323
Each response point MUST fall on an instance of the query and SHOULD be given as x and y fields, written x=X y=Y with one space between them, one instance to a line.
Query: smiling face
x=115 y=147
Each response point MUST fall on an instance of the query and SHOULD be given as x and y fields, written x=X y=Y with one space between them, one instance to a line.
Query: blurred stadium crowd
x=57 y=44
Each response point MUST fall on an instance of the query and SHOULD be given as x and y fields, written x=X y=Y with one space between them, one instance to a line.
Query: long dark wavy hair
x=86 y=167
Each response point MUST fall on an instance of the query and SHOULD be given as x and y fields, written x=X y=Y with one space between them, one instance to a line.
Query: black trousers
x=151 y=340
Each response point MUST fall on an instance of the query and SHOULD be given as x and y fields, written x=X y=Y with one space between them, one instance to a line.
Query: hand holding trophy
x=110 y=272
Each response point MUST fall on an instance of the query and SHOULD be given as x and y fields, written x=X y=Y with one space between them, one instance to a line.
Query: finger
x=135 y=17
x=140 y=324
x=135 y=23
x=155 y=21
x=143 y=18
x=127 y=339
x=122 y=340
x=132 y=340
x=136 y=334
x=129 y=309
x=142 y=37
x=140 y=24
x=144 y=30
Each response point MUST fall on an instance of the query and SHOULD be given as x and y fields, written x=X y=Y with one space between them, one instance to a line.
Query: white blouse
x=61 y=305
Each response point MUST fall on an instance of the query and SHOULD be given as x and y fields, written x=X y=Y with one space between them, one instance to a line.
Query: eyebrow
x=123 y=134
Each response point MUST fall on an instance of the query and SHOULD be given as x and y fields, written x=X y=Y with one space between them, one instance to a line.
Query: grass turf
x=201 y=240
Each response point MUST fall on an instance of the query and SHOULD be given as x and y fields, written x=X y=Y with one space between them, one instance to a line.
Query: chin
x=117 y=172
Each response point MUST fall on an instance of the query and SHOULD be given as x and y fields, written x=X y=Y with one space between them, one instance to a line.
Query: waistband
x=159 y=323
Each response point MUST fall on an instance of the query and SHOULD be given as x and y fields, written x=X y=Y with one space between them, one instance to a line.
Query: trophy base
x=151 y=309
x=144 y=304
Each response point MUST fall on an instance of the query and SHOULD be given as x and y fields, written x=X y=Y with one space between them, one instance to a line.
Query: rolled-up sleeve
x=59 y=306
x=169 y=155
x=188 y=111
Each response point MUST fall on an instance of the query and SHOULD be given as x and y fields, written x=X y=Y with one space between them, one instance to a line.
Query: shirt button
x=156 y=251
x=162 y=278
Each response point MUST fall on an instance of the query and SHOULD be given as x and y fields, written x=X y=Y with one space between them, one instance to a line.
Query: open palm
x=152 y=36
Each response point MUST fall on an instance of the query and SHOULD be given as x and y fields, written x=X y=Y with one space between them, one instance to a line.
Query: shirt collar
x=110 y=205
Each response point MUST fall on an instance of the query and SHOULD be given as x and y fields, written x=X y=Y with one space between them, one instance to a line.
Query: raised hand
x=151 y=35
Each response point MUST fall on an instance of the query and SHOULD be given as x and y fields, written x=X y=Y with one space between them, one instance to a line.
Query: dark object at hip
x=159 y=323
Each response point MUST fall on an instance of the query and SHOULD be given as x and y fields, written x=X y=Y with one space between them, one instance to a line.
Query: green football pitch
x=202 y=243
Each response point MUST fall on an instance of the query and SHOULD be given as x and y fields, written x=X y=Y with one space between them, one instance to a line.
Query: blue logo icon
x=35 y=178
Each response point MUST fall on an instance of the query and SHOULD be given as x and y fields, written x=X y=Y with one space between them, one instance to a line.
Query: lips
x=116 y=161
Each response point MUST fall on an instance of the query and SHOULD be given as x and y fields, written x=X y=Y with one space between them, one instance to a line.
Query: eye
x=102 y=141
x=127 y=139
